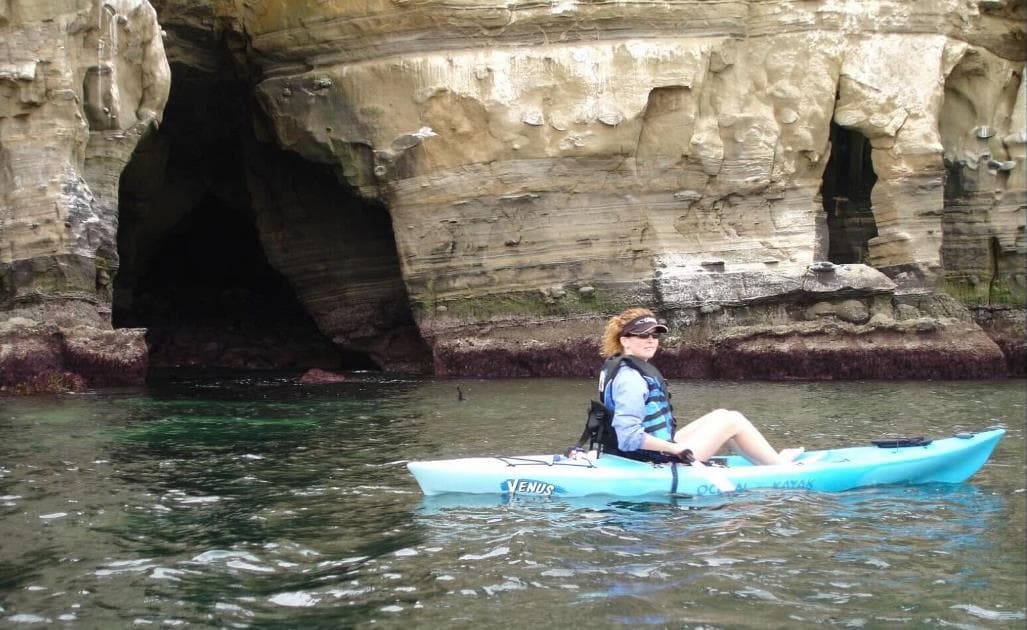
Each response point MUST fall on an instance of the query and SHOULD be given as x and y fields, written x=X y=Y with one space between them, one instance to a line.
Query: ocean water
x=245 y=501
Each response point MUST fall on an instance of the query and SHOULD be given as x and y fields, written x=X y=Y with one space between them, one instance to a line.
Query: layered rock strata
x=542 y=161
x=508 y=174
x=79 y=86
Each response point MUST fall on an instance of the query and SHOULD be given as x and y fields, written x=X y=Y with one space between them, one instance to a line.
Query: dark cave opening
x=848 y=181
x=209 y=298
x=193 y=271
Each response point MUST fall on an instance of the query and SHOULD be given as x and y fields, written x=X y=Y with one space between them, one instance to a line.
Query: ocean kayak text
x=788 y=484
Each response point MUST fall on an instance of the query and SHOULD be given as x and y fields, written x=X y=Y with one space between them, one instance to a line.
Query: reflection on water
x=253 y=502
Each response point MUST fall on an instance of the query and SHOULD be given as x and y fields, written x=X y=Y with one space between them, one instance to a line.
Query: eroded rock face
x=44 y=357
x=80 y=83
x=514 y=172
x=671 y=154
x=1008 y=328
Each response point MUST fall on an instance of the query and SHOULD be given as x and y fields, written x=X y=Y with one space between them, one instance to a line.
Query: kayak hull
x=949 y=460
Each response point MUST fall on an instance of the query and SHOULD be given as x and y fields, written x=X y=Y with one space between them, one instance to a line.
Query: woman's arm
x=651 y=443
x=629 y=392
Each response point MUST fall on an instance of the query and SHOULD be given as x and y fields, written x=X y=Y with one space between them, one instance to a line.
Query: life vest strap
x=599 y=434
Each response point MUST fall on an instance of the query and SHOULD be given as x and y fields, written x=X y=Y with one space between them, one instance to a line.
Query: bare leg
x=706 y=435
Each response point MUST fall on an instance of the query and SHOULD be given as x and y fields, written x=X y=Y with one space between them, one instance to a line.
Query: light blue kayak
x=949 y=460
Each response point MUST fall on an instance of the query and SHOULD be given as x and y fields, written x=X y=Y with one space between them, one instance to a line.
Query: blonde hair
x=615 y=328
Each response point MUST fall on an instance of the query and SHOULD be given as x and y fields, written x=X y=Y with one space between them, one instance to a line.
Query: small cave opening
x=845 y=191
x=192 y=267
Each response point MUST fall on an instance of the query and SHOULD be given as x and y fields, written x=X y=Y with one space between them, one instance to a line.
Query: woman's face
x=641 y=347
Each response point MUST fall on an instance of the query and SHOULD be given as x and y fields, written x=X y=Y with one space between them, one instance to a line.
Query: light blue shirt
x=628 y=396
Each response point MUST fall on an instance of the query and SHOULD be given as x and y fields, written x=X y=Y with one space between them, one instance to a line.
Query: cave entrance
x=209 y=298
x=193 y=270
x=848 y=181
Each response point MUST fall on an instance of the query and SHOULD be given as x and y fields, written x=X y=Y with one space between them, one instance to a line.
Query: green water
x=254 y=502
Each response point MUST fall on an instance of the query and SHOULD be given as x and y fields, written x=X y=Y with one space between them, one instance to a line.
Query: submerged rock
x=317 y=376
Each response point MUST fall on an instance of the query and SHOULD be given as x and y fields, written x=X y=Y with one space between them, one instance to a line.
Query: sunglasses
x=644 y=335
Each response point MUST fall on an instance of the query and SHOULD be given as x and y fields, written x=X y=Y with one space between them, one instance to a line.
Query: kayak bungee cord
x=525 y=461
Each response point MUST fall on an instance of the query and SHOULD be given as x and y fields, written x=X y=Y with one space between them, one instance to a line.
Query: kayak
x=897 y=461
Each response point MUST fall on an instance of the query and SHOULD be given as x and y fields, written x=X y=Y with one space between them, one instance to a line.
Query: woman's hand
x=684 y=454
x=677 y=449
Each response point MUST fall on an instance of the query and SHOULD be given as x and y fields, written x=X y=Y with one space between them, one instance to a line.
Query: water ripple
x=275 y=506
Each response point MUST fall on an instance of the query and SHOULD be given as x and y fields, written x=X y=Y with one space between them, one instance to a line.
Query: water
x=253 y=502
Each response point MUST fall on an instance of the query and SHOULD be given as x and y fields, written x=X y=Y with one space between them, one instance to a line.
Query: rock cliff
x=80 y=84
x=803 y=189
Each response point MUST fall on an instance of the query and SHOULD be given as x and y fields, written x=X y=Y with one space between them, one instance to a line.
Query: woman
x=642 y=417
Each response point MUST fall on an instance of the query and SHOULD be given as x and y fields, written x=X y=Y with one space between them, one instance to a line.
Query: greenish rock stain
x=354 y=161
x=1000 y=291
x=521 y=303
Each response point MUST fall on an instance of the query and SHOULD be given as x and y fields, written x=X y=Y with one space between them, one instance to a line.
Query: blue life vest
x=659 y=415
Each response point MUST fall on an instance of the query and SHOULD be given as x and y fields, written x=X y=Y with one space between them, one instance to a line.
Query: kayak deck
x=949 y=460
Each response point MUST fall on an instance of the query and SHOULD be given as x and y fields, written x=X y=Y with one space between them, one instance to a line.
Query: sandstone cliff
x=80 y=83
x=473 y=186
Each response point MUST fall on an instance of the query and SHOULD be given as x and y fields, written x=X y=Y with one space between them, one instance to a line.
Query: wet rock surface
x=877 y=337
x=43 y=357
x=321 y=377
x=1006 y=327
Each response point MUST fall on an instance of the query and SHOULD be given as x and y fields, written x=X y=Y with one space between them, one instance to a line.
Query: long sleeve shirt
x=628 y=395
